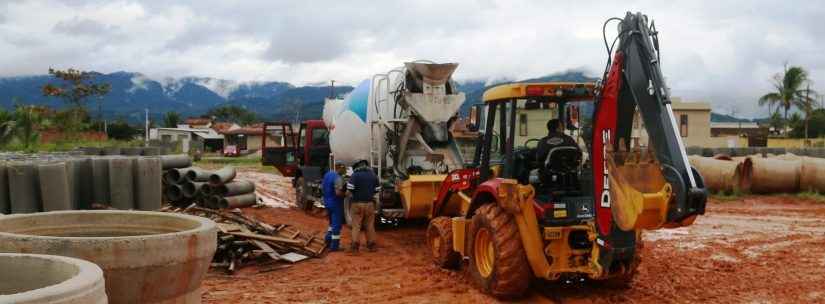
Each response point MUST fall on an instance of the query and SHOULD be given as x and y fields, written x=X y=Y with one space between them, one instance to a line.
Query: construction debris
x=243 y=241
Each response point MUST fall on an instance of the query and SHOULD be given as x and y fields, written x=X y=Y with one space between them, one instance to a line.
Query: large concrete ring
x=146 y=257
x=49 y=279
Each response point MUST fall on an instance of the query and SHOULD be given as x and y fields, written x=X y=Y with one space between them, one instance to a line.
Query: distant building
x=211 y=140
x=248 y=138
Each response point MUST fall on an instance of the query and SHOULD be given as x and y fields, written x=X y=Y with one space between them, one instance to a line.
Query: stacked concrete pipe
x=215 y=190
x=69 y=181
x=784 y=173
x=146 y=257
x=49 y=279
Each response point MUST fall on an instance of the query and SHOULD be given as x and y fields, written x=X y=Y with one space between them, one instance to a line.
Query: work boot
x=353 y=249
x=371 y=247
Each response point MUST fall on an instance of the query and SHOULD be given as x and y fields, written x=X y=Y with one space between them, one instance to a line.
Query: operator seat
x=560 y=170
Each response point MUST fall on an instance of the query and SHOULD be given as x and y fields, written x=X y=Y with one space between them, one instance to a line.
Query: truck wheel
x=498 y=262
x=440 y=240
x=300 y=196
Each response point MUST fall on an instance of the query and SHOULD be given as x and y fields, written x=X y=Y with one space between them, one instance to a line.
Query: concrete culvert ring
x=146 y=257
x=36 y=278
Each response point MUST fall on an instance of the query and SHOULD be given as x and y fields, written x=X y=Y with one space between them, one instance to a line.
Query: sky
x=722 y=52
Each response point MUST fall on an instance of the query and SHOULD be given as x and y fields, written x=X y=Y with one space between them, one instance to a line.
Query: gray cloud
x=83 y=26
x=724 y=52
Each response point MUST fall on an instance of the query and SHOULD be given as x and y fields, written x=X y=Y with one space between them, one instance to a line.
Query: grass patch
x=812 y=195
x=251 y=163
x=728 y=196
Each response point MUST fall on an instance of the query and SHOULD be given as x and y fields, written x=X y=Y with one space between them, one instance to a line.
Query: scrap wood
x=265 y=238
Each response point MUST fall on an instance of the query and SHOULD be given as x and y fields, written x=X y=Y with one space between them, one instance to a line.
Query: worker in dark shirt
x=555 y=138
x=361 y=188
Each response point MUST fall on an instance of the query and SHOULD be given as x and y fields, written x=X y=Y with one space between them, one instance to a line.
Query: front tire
x=440 y=241
x=498 y=263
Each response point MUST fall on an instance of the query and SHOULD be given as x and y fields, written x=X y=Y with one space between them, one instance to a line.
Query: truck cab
x=308 y=147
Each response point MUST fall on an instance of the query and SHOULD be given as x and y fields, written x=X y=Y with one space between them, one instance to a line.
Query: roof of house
x=248 y=130
x=220 y=127
x=198 y=121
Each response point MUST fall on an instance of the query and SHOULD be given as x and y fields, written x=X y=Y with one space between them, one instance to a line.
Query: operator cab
x=538 y=138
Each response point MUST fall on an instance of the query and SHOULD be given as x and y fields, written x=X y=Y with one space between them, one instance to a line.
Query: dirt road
x=752 y=250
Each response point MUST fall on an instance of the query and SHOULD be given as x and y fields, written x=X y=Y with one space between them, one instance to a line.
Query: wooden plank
x=266 y=249
x=265 y=238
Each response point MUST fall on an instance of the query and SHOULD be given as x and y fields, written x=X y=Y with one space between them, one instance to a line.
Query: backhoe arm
x=661 y=189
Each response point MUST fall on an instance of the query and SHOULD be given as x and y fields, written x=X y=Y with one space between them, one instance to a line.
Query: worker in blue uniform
x=334 y=191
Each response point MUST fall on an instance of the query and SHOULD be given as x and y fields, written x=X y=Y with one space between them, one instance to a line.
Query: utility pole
x=332 y=89
x=146 y=130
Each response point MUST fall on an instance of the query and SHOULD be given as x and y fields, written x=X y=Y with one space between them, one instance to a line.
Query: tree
x=75 y=88
x=816 y=122
x=234 y=114
x=7 y=125
x=121 y=130
x=171 y=119
x=29 y=120
x=789 y=90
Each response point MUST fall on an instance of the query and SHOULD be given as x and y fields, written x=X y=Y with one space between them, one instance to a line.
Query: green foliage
x=790 y=91
x=234 y=114
x=28 y=121
x=816 y=125
x=171 y=119
x=75 y=88
x=7 y=125
x=121 y=130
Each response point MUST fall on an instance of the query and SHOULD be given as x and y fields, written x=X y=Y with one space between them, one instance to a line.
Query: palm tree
x=789 y=90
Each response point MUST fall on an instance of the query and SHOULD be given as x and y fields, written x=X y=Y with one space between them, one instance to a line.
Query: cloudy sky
x=724 y=52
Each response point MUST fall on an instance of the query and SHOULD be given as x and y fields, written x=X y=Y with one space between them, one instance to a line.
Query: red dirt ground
x=751 y=250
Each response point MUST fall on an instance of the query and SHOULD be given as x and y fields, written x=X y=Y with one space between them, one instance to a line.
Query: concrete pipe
x=132 y=151
x=54 y=185
x=174 y=193
x=719 y=175
x=238 y=201
x=206 y=189
x=812 y=175
x=146 y=257
x=195 y=174
x=175 y=161
x=222 y=176
x=173 y=177
x=91 y=151
x=213 y=202
x=24 y=187
x=5 y=202
x=151 y=151
x=121 y=183
x=234 y=188
x=100 y=180
x=192 y=189
x=50 y=279
x=771 y=175
x=81 y=181
x=111 y=151
x=148 y=185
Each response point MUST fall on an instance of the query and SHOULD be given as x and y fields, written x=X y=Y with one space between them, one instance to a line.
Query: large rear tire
x=498 y=263
x=440 y=241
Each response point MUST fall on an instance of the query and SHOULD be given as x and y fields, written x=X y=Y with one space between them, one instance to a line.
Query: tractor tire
x=498 y=263
x=300 y=195
x=440 y=241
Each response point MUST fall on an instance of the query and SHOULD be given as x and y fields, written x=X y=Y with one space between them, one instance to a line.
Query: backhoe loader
x=580 y=211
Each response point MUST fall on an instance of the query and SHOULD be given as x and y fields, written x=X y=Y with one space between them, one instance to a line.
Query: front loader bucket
x=639 y=191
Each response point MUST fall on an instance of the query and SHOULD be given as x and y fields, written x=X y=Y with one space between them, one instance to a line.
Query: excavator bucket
x=640 y=193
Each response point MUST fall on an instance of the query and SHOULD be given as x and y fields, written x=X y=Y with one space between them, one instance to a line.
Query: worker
x=555 y=138
x=361 y=188
x=333 y=190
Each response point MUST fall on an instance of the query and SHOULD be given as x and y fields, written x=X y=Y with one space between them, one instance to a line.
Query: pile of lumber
x=210 y=189
x=243 y=241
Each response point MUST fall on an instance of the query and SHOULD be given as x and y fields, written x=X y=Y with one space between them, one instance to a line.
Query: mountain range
x=132 y=93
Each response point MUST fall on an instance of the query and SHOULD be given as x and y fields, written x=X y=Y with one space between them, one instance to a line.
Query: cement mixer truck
x=399 y=122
